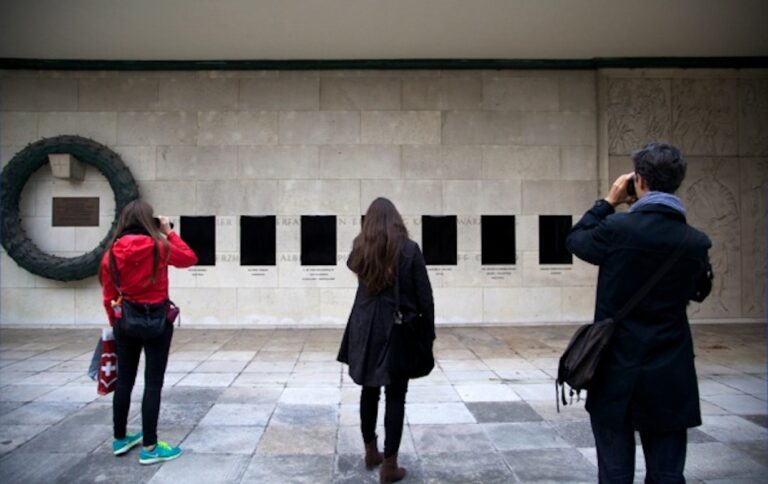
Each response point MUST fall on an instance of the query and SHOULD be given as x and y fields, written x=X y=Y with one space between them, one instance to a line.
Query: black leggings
x=393 y=415
x=128 y=353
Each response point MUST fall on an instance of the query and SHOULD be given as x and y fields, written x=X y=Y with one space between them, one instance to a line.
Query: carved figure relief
x=705 y=116
x=754 y=182
x=638 y=112
x=711 y=198
x=753 y=127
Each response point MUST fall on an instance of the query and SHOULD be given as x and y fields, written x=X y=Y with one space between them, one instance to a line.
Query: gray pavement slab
x=551 y=465
x=205 y=468
x=716 y=460
x=293 y=469
x=443 y=439
x=28 y=466
x=103 y=466
x=223 y=440
x=462 y=467
x=489 y=412
x=298 y=415
x=239 y=414
x=523 y=435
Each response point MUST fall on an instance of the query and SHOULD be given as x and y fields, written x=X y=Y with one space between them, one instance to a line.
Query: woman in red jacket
x=143 y=248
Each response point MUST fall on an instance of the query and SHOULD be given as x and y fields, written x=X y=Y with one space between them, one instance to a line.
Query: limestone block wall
x=463 y=143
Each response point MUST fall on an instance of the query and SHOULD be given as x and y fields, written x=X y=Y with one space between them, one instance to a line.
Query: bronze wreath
x=16 y=174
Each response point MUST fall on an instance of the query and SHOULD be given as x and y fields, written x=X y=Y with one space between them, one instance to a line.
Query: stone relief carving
x=705 y=116
x=753 y=127
x=710 y=194
x=754 y=183
x=638 y=112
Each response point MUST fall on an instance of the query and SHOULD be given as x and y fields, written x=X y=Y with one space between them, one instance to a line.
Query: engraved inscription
x=75 y=211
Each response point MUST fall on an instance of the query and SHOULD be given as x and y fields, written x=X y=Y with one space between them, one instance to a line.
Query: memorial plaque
x=200 y=234
x=75 y=211
x=438 y=237
x=318 y=240
x=553 y=230
x=497 y=234
x=257 y=240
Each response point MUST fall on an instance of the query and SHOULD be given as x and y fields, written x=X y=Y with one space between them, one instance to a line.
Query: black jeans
x=394 y=414
x=128 y=353
x=664 y=455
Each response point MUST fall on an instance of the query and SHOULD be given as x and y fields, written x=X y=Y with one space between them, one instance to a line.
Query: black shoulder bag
x=582 y=355
x=135 y=319
x=410 y=350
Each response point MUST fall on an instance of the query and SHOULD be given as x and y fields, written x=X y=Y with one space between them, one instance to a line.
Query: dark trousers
x=664 y=455
x=394 y=414
x=128 y=353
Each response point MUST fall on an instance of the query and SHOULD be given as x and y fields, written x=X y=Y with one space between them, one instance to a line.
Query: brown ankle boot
x=389 y=472
x=372 y=455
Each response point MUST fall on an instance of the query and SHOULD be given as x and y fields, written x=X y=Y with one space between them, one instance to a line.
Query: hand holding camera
x=623 y=190
x=163 y=224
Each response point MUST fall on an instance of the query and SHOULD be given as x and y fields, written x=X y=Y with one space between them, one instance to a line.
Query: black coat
x=647 y=376
x=365 y=345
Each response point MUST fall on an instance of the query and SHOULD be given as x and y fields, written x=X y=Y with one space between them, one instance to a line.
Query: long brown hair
x=376 y=250
x=138 y=215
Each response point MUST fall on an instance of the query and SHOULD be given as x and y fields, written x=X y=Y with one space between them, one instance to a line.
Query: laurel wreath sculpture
x=16 y=174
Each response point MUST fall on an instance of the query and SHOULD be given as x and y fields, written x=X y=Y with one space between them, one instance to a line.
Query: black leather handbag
x=410 y=348
x=581 y=357
x=135 y=319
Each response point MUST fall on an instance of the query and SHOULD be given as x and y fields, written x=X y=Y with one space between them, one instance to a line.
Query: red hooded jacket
x=133 y=256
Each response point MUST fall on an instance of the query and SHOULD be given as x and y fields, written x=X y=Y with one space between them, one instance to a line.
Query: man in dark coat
x=646 y=380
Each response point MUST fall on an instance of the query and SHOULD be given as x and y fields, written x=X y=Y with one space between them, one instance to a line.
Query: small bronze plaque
x=75 y=211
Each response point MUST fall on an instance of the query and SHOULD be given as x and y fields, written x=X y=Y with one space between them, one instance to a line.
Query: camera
x=631 y=187
x=157 y=222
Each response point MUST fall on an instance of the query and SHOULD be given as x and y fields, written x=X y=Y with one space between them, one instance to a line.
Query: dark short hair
x=661 y=165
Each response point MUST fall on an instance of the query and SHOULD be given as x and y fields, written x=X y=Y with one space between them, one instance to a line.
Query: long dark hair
x=376 y=250
x=137 y=217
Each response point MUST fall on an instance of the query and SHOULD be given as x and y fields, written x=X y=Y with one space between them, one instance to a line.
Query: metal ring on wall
x=16 y=174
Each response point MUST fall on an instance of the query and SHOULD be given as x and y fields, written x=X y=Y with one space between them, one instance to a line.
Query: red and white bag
x=107 y=379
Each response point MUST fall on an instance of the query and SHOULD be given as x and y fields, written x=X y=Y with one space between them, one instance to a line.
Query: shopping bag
x=93 y=369
x=107 y=363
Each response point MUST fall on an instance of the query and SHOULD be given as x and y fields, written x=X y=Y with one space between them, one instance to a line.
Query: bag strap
x=114 y=272
x=397 y=284
x=639 y=295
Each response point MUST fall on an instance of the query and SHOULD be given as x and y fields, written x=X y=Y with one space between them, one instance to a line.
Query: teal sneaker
x=161 y=453
x=121 y=446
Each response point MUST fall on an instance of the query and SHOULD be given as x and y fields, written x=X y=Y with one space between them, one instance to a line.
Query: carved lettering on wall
x=705 y=116
x=753 y=127
x=638 y=112
x=754 y=213
x=710 y=194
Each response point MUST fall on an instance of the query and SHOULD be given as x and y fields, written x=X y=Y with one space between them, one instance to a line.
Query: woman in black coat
x=384 y=259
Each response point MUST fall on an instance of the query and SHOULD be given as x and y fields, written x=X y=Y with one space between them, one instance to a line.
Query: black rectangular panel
x=497 y=235
x=553 y=230
x=438 y=239
x=318 y=240
x=200 y=234
x=257 y=240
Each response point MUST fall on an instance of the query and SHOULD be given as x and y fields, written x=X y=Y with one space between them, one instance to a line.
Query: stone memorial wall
x=268 y=174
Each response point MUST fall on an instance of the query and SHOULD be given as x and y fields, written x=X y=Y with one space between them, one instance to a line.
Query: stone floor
x=274 y=406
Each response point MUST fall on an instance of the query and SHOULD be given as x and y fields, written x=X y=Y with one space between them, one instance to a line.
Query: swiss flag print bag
x=107 y=379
